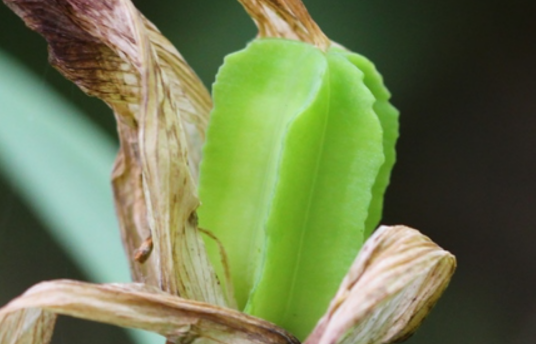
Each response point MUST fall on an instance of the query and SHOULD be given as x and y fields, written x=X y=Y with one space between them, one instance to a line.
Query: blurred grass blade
x=60 y=163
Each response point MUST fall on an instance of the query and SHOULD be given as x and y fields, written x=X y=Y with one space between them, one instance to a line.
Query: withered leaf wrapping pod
x=111 y=51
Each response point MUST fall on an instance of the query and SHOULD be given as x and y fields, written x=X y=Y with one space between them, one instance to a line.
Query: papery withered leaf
x=29 y=319
x=193 y=99
x=285 y=19
x=394 y=282
x=111 y=51
x=27 y=326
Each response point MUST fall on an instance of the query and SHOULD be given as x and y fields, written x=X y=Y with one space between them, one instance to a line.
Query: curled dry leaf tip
x=391 y=287
x=285 y=19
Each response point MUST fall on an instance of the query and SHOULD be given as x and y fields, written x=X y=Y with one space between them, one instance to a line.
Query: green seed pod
x=293 y=153
x=388 y=116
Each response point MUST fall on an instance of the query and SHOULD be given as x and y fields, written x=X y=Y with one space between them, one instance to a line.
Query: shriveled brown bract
x=111 y=51
x=132 y=305
x=285 y=19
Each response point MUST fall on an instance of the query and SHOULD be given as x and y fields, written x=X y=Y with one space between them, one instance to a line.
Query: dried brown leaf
x=391 y=287
x=193 y=99
x=29 y=319
x=111 y=51
x=27 y=326
x=170 y=192
x=285 y=19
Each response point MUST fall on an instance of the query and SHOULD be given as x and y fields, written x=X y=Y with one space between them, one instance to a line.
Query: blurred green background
x=463 y=74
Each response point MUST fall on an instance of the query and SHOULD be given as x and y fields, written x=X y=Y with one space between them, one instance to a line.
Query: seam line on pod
x=325 y=78
x=278 y=158
x=307 y=104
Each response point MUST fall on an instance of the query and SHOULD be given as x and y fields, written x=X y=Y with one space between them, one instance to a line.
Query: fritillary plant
x=248 y=216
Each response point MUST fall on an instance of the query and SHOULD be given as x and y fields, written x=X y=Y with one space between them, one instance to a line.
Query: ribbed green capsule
x=292 y=162
x=388 y=116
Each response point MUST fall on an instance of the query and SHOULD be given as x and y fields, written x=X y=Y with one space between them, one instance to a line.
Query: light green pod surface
x=388 y=116
x=333 y=152
x=293 y=151
x=257 y=93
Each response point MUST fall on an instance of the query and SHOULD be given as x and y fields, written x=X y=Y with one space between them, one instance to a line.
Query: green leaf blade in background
x=60 y=164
